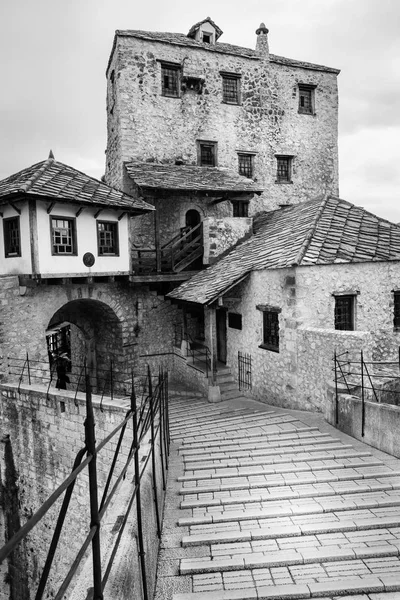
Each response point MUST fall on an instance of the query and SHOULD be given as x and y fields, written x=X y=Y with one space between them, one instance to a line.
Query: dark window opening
x=207 y=154
x=284 y=169
x=170 y=76
x=240 y=208
x=270 y=330
x=107 y=238
x=12 y=238
x=207 y=38
x=63 y=235
x=234 y=320
x=396 y=310
x=306 y=99
x=344 y=313
x=230 y=89
x=246 y=163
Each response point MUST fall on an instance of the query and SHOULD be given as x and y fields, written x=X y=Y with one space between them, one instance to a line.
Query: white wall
x=16 y=265
x=86 y=235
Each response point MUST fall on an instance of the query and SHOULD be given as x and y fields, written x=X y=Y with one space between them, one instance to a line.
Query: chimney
x=262 y=48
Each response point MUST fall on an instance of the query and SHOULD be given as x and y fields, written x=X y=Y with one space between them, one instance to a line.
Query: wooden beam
x=79 y=211
x=121 y=216
x=50 y=208
x=96 y=214
x=33 y=234
x=17 y=210
x=157 y=237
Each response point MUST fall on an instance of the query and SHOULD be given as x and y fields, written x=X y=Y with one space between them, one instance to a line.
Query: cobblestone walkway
x=266 y=503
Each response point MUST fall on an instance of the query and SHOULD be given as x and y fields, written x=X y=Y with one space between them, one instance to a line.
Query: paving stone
x=345 y=585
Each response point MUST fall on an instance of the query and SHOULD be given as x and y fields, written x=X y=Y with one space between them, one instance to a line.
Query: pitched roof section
x=53 y=179
x=182 y=40
x=187 y=177
x=317 y=232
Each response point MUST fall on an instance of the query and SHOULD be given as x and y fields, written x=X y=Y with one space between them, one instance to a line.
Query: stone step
x=283 y=530
x=211 y=421
x=252 y=442
x=383 y=586
x=290 y=479
x=231 y=394
x=355 y=490
x=279 y=558
x=272 y=424
x=277 y=457
x=282 y=467
x=288 y=509
x=190 y=447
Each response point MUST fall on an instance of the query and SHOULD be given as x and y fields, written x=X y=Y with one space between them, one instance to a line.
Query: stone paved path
x=266 y=503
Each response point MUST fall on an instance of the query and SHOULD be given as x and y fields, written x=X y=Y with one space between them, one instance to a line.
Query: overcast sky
x=54 y=56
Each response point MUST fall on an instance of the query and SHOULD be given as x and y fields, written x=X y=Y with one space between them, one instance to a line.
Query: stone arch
x=96 y=335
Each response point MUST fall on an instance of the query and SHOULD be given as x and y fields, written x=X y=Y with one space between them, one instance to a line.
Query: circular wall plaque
x=88 y=259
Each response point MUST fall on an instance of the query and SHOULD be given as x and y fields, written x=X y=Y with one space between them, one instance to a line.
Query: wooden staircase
x=177 y=254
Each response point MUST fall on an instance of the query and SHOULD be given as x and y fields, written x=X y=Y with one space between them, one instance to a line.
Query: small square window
x=207 y=154
x=396 y=310
x=306 y=99
x=234 y=320
x=12 y=238
x=107 y=238
x=63 y=236
x=283 y=169
x=344 y=312
x=170 y=80
x=246 y=164
x=231 y=89
x=207 y=38
x=271 y=330
x=240 y=208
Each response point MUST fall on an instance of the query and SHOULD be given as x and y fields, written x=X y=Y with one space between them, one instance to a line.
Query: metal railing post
x=362 y=396
x=94 y=507
x=137 y=490
x=29 y=370
x=153 y=457
x=336 y=391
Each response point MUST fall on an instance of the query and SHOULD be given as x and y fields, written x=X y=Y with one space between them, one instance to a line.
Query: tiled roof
x=317 y=232
x=182 y=40
x=54 y=180
x=187 y=177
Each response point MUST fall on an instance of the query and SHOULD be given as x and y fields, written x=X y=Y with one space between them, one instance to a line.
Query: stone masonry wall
x=123 y=320
x=45 y=433
x=297 y=375
x=222 y=234
x=145 y=125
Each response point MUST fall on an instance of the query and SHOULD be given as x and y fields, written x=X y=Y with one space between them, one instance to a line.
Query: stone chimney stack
x=262 y=48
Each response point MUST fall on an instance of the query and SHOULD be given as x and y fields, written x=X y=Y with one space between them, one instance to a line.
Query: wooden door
x=221 y=336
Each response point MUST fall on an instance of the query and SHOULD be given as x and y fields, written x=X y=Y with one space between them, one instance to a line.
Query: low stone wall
x=42 y=434
x=381 y=425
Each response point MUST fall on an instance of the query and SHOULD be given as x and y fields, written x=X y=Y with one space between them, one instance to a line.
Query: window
x=231 y=88
x=107 y=238
x=234 y=320
x=306 y=99
x=246 y=164
x=170 y=80
x=240 y=208
x=284 y=169
x=207 y=37
x=63 y=235
x=396 y=310
x=270 y=327
x=207 y=154
x=344 y=312
x=12 y=238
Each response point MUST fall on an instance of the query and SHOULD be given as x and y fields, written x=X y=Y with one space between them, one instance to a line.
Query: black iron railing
x=377 y=381
x=149 y=417
x=244 y=370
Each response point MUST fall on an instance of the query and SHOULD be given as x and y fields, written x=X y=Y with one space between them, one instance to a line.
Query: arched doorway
x=89 y=332
x=192 y=218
